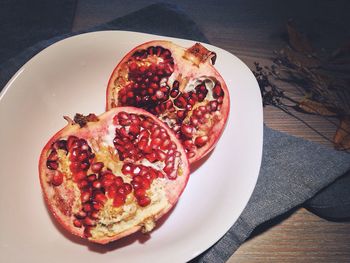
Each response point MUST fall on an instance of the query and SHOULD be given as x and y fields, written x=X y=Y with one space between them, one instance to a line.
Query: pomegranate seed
x=119 y=200
x=85 y=197
x=111 y=191
x=80 y=215
x=84 y=165
x=181 y=114
x=91 y=177
x=151 y=157
x=145 y=183
x=87 y=232
x=155 y=143
x=83 y=155
x=105 y=182
x=100 y=197
x=144 y=201
x=201 y=141
x=140 y=192
x=160 y=155
x=77 y=223
x=187 y=130
x=97 y=206
x=57 y=179
x=134 y=129
x=121 y=190
x=79 y=176
x=53 y=156
x=94 y=215
x=82 y=184
x=70 y=141
x=61 y=144
x=136 y=185
x=217 y=91
x=52 y=165
x=180 y=102
x=96 y=184
x=126 y=169
x=165 y=144
x=118 y=181
x=87 y=207
x=89 y=221
x=97 y=167
x=128 y=188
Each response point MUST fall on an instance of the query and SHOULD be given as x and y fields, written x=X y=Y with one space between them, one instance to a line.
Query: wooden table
x=252 y=30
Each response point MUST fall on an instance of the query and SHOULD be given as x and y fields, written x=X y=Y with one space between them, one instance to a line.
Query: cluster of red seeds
x=138 y=137
x=146 y=91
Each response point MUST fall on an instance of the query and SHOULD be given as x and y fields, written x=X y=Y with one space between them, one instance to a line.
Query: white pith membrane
x=190 y=73
x=111 y=220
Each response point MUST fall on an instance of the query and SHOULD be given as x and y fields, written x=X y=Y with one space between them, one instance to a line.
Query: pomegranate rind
x=183 y=67
x=173 y=188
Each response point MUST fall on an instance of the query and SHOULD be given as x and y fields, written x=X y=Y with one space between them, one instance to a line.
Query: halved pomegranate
x=106 y=177
x=180 y=86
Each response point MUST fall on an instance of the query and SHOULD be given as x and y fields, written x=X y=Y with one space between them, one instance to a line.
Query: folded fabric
x=292 y=170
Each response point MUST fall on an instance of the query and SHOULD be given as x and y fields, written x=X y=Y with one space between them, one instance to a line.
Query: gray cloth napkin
x=292 y=171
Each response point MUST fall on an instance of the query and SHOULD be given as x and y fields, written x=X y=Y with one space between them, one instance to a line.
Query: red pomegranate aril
x=126 y=168
x=98 y=206
x=140 y=192
x=57 y=178
x=156 y=142
x=118 y=200
x=94 y=215
x=82 y=184
x=145 y=183
x=74 y=167
x=111 y=191
x=91 y=177
x=100 y=197
x=79 y=176
x=60 y=145
x=85 y=197
x=87 y=207
x=165 y=144
x=201 y=141
x=96 y=167
x=118 y=181
x=151 y=157
x=217 y=91
x=84 y=165
x=144 y=201
x=70 y=141
x=128 y=188
x=52 y=165
x=136 y=185
x=80 y=215
x=134 y=129
x=161 y=155
x=96 y=184
x=87 y=231
x=53 y=156
x=83 y=155
x=187 y=130
x=77 y=223
x=89 y=221
x=121 y=190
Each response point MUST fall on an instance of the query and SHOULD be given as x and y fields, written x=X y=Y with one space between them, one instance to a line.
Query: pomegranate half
x=105 y=177
x=180 y=86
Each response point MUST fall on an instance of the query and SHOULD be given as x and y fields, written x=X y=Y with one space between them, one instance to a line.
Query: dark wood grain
x=252 y=29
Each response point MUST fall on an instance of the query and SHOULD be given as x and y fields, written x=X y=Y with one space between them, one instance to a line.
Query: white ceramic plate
x=71 y=76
